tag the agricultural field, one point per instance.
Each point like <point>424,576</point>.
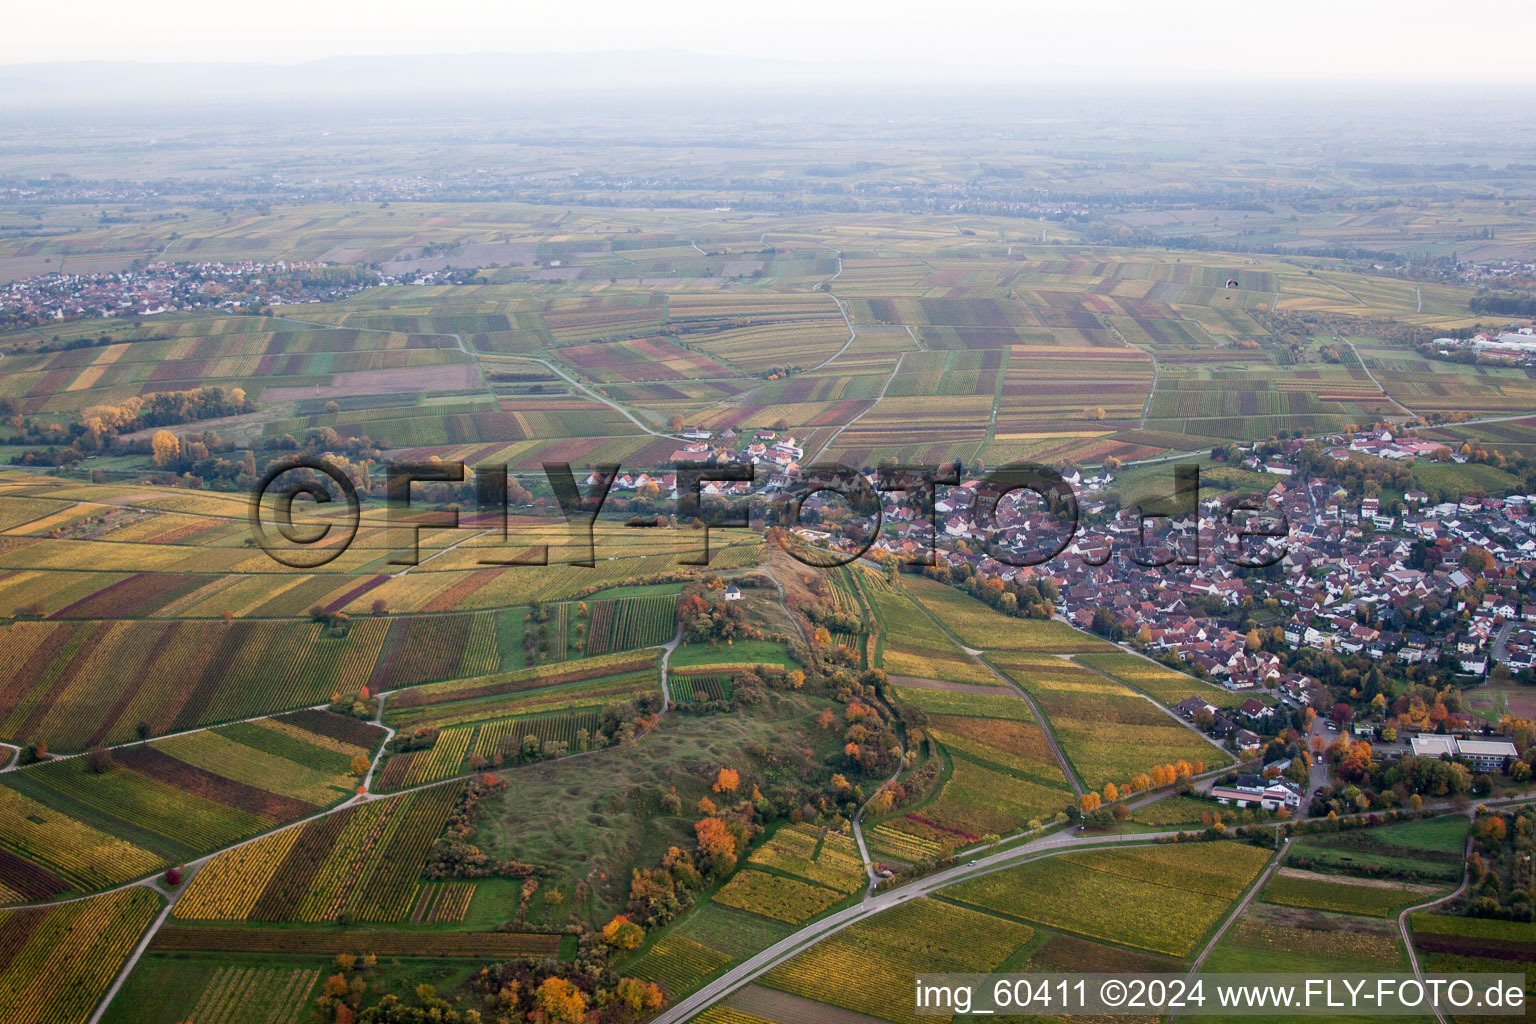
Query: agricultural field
<point>1423,851</point>
<point>678,963</point>
<point>492,726</point>
<point>364,862</point>
<point>980,627</point>
<point>1165,685</point>
<point>56,962</point>
<point>1091,717</point>
<point>1291,887</point>
<point>687,687</point>
<point>1458,945</point>
<point>777,896</point>
<point>65,826</point>
<point>1276,938</point>
<point>1371,872</point>
<point>1181,891</point>
<point>138,615</point>
<point>868,967</point>
<point>819,856</point>
<point>77,684</point>
<point>1001,773</point>
<point>912,644</point>
<point>164,991</point>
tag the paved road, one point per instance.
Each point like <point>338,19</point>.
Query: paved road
<point>756,966</point>
<point>1040,719</point>
<point>1372,376</point>
<point>1402,920</point>
<point>1234,914</point>
<point>885,387</point>
<point>1317,774</point>
<point>1501,642</point>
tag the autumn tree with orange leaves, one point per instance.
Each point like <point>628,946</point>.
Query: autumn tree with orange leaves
<point>717,844</point>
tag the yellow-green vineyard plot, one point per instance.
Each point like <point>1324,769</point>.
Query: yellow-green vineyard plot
<point>44,852</point>
<point>1088,893</point>
<point>981,627</point>
<point>57,962</point>
<point>1165,685</point>
<point>912,645</point>
<point>208,993</point>
<point>1002,773</point>
<point>678,963</point>
<point>869,966</point>
<point>776,896</point>
<point>364,861</point>
<point>830,859</point>
<point>241,762</point>
<point>1108,732</point>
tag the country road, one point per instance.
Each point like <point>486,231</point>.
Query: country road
<point>885,387</point>
<point>190,867</point>
<point>1402,919</point>
<point>596,396</point>
<point>1234,913</point>
<point>1372,377</point>
<point>975,655</point>
<point>756,966</point>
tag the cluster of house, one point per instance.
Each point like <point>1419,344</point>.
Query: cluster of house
<point>780,455</point>
<point>1355,578</point>
<point>1352,582</point>
<point>1517,347</point>
<point>1233,724</point>
<point>773,458</point>
<point>157,288</point>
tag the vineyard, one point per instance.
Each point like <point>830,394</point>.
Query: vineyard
<point>518,681</point>
<point>979,626</point>
<point>824,858</point>
<point>490,730</point>
<point>44,853</point>
<point>912,645</point>
<point>686,687</point>
<point>622,623</point>
<point>1092,716</point>
<point>56,962</point>
<point>1086,893</point>
<point>207,993</point>
<point>75,684</point>
<point>364,861</point>
<point>442,902</point>
<point>678,964</point>
<point>1164,685</point>
<point>1002,771</point>
<point>170,800</point>
<point>329,942</point>
<point>864,967</point>
<point>776,896</point>
<point>909,840</point>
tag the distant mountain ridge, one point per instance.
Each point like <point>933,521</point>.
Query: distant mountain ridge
<point>488,73</point>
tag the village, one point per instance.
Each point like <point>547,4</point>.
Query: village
<point>1416,589</point>
<point>161,287</point>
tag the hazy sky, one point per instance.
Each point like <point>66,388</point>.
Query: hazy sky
<point>1389,40</point>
